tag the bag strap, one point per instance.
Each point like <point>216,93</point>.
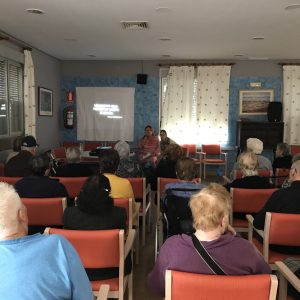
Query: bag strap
<point>206,257</point>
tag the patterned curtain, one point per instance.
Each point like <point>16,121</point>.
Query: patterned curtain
<point>29,95</point>
<point>213,104</point>
<point>176,110</point>
<point>291,104</point>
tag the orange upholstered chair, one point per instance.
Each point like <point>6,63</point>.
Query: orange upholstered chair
<point>59,153</point>
<point>142,192</point>
<point>280,176</point>
<point>161,185</point>
<point>248,201</point>
<point>88,146</point>
<point>102,249</point>
<point>68,144</point>
<point>212,155</point>
<point>295,149</point>
<point>10,180</point>
<point>286,276</point>
<point>182,285</point>
<point>280,229</point>
<point>72,184</point>
<point>263,173</point>
<point>45,211</point>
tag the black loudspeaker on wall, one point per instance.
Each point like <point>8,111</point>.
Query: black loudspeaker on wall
<point>141,78</point>
<point>274,111</point>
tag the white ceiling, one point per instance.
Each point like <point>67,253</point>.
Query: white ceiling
<point>199,29</point>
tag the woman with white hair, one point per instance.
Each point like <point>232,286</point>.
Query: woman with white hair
<point>127,166</point>
<point>233,254</point>
<point>248,164</point>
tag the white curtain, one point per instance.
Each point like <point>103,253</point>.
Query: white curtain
<point>291,104</point>
<point>176,110</point>
<point>29,95</point>
<point>213,104</point>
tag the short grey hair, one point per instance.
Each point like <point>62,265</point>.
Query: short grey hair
<point>73,154</point>
<point>10,204</point>
<point>255,145</point>
<point>296,165</point>
<point>285,148</point>
<point>123,149</point>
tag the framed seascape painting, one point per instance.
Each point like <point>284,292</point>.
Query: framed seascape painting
<point>255,102</point>
<point>45,102</point>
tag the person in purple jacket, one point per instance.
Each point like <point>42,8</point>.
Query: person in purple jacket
<point>235,255</point>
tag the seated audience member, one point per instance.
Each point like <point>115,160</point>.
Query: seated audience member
<point>166,167</point>
<point>234,255</point>
<point>16,148</point>
<point>39,185</point>
<point>73,168</point>
<point>95,210</point>
<point>18,166</point>
<point>164,140</point>
<point>36,266</point>
<point>283,201</point>
<point>256,146</point>
<point>185,171</point>
<point>287,182</point>
<point>120,187</point>
<point>248,163</point>
<point>283,157</point>
<point>128,167</point>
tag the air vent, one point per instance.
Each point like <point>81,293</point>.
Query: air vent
<point>135,25</point>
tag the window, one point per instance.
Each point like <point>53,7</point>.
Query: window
<point>11,98</point>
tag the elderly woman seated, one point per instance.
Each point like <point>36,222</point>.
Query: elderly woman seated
<point>248,163</point>
<point>128,167</point>
<point>73,168</point>
<point>233,254</point>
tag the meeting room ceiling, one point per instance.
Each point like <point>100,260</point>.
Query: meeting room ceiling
<point>164,29</point>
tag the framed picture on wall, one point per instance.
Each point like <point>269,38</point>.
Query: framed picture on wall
<point>255,102</point>
<point>45,102</point>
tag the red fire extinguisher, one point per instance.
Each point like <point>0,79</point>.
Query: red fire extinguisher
<point>68,117</point>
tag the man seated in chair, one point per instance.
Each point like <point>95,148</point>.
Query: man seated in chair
<point>36,266</point>
<point>233,254</point>
<point>18,166</point>
<point>285,200</point>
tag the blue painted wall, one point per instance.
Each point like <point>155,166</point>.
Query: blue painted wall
<point>146,104</point>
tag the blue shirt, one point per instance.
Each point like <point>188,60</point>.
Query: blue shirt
<point>43,267</point>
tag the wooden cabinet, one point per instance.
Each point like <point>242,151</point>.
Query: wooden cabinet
<point>271,133</point>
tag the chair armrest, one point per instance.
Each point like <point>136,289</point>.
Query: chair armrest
<point>251,228</point>
<point>225,155</point>
<point>129,242</point>
<point>136,212</point>
<point>288,275</point>
<point>46,231</point>
<point>103,292</point>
